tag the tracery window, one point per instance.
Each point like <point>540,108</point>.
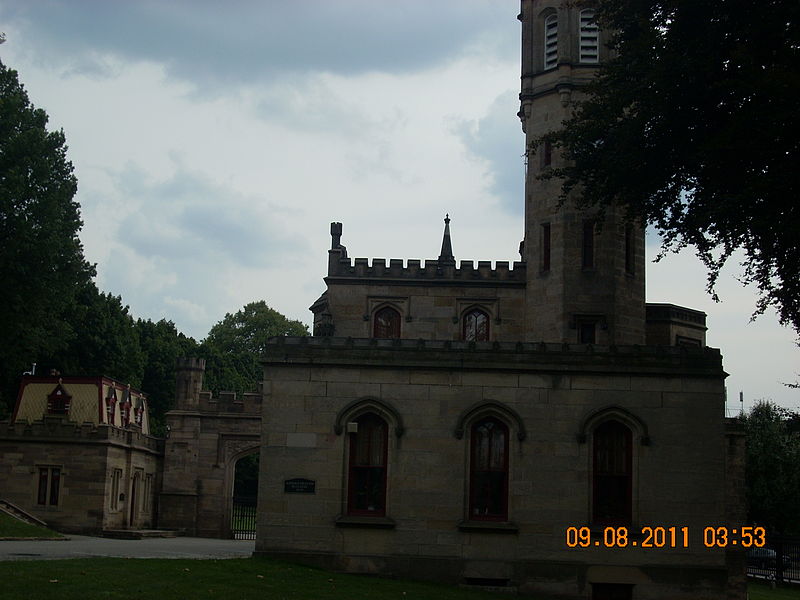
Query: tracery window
<point>476,326</point>
<point>366,493</point>
<point>550,41</point>
<point>488,475</point>
<point>612,473</point>
<point>386,323</point>
<point>589,37</point>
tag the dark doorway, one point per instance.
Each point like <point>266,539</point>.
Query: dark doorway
<point>245,494</point>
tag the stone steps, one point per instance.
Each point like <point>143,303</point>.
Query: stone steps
<point>16,511</point>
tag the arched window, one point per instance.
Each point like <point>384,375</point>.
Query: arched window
<point>476,326</point>
<point>612,473</point>
<point>588,37</point>
<point>366,488</point>
<point>550,41</point>
<point>488,473</point>
<point>386,323</point>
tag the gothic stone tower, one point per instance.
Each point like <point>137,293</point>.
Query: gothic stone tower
<point>585,278</point>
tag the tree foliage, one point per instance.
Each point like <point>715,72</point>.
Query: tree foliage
<point>41,258</point>
<point>773,467</point>
<point>693,127</point>
<point>234,346</point>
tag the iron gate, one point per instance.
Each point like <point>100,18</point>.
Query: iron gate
<point>243,518</point>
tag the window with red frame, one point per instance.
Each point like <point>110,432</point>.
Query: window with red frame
<point>366,494</point>
<point>386,323</point>
<point>612,477</point>
<point>476,326</point>
<point>488,477</point>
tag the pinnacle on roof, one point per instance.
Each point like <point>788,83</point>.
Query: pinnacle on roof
<point>446,256</point>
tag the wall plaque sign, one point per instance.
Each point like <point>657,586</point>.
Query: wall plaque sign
<point>299,486</point>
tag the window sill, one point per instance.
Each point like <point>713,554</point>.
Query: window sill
<point>365,522</point>
<point>488,526</point>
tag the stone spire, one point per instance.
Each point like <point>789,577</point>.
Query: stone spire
<point>446,256</point>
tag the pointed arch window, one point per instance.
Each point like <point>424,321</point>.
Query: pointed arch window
<point>366,487</point>
<point>551,41</point>
<point>612,479</point>
<point>589,37</point>
<point>488,476</point>
<point>386,323</point>
<point>476,326</point>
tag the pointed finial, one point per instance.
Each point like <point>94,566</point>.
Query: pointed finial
<point>446,256</point>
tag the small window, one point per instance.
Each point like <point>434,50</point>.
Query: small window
<point>386,323</point>
<point>629,250</point>
<point>545,246</point>
<point>367,470</point>
<point>58,401</point>
<point>116,478</point>
<point>587,250</point>
<point>547,154</point>
<point>49,486</point>
<point>550,41</point>
<point>589,37</point>
<point>476,326</point>
<point>488,477</point>
<point>612,478</point>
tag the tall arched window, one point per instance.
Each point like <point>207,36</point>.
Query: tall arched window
<point>366,482</point>
<point>612,473</point>
<point>589,38</point>
<point>550,41</point>
<point>476,326</point>
<point>386,323</point>
<point>488,474</point>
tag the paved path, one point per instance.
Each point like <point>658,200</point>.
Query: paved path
<point>79,546</point>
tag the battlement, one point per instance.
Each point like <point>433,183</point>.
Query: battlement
<point>230,402</point>
<point>190,363</point>
<point>57,429</point>
<point>428,271</point>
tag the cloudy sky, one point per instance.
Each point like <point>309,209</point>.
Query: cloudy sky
<point>214,143</point>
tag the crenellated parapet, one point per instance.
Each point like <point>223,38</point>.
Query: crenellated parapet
<point>53,429</point>
<point>427,272</point>
<point>230,402</point>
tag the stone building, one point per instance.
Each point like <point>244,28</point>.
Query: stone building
<point>476,422</point>
<point>77,454</point>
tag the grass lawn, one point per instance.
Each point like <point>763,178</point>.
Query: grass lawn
<point>242,579</point>
<point>762,591</point>
<point>11,527</point>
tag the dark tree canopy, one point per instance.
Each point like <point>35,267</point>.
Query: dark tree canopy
<point>773,467</point>
<point>41,258</point>
<point>693,127</point>
<point>234,346</point>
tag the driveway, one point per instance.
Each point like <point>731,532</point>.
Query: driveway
<point>79,546</point>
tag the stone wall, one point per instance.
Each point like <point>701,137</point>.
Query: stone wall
<point>549,395</point>
<point>87,456</point>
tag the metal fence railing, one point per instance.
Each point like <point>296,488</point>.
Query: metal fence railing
<point>243,518</point>
<point>779,560</point>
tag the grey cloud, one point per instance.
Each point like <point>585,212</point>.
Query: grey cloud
<point>211,43</point>
<point>498,139</point>
<point>188,217</point>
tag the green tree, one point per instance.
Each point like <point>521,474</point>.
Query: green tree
<point>693,127</point>
<point>234,346</point>
<point>162,344</point>
<point>773,468</point>
<point>41,258</point>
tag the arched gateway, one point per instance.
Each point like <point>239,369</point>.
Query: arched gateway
<point>206,438</point>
